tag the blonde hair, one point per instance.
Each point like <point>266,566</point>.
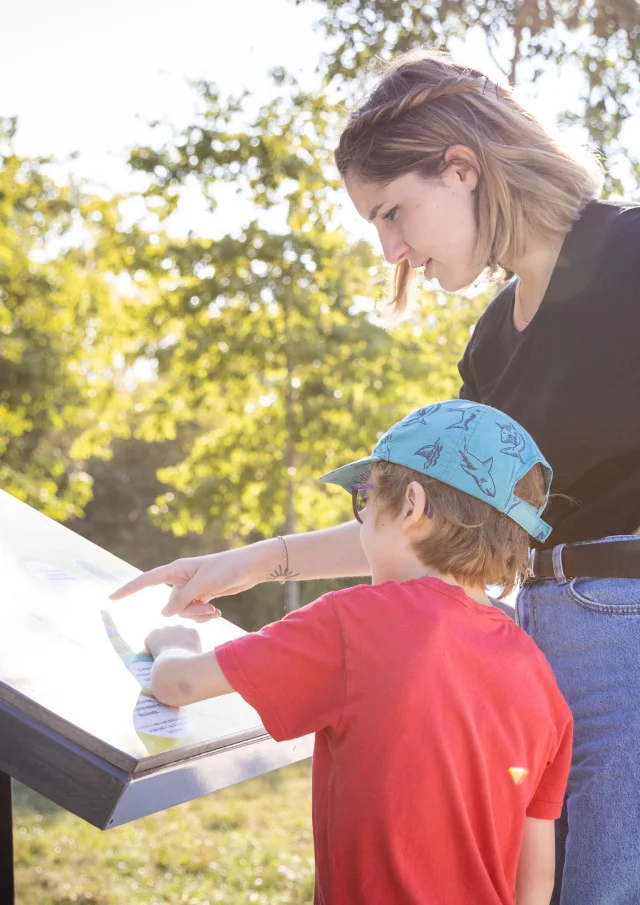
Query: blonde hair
<point>470,540</point>
<point>528,182</point>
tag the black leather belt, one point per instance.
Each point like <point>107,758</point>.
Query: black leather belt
<point>614,559</point>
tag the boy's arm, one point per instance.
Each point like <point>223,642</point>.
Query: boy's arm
<point>292,672</point>
<point>181,674</point>
<point>537,863</point>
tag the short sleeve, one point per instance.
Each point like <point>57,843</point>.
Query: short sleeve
<point>468,390</point>
<point>292,671</point>
<point>546,803</point>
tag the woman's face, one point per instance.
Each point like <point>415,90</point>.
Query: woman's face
<point>429,223</point>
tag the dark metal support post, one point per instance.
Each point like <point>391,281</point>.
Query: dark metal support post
<point>7,886</point>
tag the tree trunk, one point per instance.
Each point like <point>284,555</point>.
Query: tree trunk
<point>291,588</point>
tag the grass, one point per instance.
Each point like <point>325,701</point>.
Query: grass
<point>251,843</point>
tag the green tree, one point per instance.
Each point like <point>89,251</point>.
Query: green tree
<point>269,340</point>
<point>599,38</point>
<point>62,332</point>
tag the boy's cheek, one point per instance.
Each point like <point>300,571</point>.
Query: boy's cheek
<point>368,540</point>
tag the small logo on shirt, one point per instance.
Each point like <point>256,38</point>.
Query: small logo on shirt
<point>518,774</point>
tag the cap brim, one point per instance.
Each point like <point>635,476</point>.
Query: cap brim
<point>348,475</point>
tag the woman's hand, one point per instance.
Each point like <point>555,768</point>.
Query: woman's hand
<point>329,553</point>
<point>199,579</point>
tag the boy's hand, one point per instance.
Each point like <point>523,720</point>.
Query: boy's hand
<point>173,636</point>
<point>181,674</point>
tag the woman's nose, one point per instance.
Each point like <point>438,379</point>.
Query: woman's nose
<point>394,249</point>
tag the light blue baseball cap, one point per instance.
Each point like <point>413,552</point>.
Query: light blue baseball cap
<point>472,447</point>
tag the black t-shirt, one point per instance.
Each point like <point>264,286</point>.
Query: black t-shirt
<point>572,377</point>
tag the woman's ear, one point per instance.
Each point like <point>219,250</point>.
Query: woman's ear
<point>415,505</point>
<point>462,165</point>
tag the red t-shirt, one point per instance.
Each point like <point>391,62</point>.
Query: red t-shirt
<point>427,707</point>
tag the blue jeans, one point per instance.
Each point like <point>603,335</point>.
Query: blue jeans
<point>589,630</point>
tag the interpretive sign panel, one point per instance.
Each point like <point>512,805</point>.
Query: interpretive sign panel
<point>77,720</point>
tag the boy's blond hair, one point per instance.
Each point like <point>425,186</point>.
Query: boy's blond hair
<point>470,540</point>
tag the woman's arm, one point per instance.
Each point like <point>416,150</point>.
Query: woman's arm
<point>330,553</point>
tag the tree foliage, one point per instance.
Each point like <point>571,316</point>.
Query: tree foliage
<point>269,338</point>
<point>228,374</point>
<point>61,323</point>
<point>525,38</point>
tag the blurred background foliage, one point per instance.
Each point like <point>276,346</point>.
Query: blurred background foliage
<point>173,396</point>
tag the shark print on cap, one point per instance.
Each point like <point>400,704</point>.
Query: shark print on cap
<point>468,415</point>
<point>510,435</point>
<point>479,471</point>
<point>384,447</point>
<point>423,413</point>
<point>431,453</point>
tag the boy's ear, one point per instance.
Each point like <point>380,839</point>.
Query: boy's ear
<point>415,504</point>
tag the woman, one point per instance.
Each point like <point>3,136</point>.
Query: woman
<point>460,180</point>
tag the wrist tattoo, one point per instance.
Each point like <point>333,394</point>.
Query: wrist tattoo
<point>283,573</point>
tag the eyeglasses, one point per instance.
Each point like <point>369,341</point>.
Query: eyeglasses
<point>359,498</point>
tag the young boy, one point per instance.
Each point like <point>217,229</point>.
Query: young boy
<point>442,741</point>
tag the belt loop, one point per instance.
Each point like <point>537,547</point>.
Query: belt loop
<point>556,559</point>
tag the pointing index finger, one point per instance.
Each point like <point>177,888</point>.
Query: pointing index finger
<point>160,575</point>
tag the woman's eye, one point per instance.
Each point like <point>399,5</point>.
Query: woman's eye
<point>391,215</point>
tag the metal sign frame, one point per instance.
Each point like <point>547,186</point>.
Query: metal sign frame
<point>68,657</point>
